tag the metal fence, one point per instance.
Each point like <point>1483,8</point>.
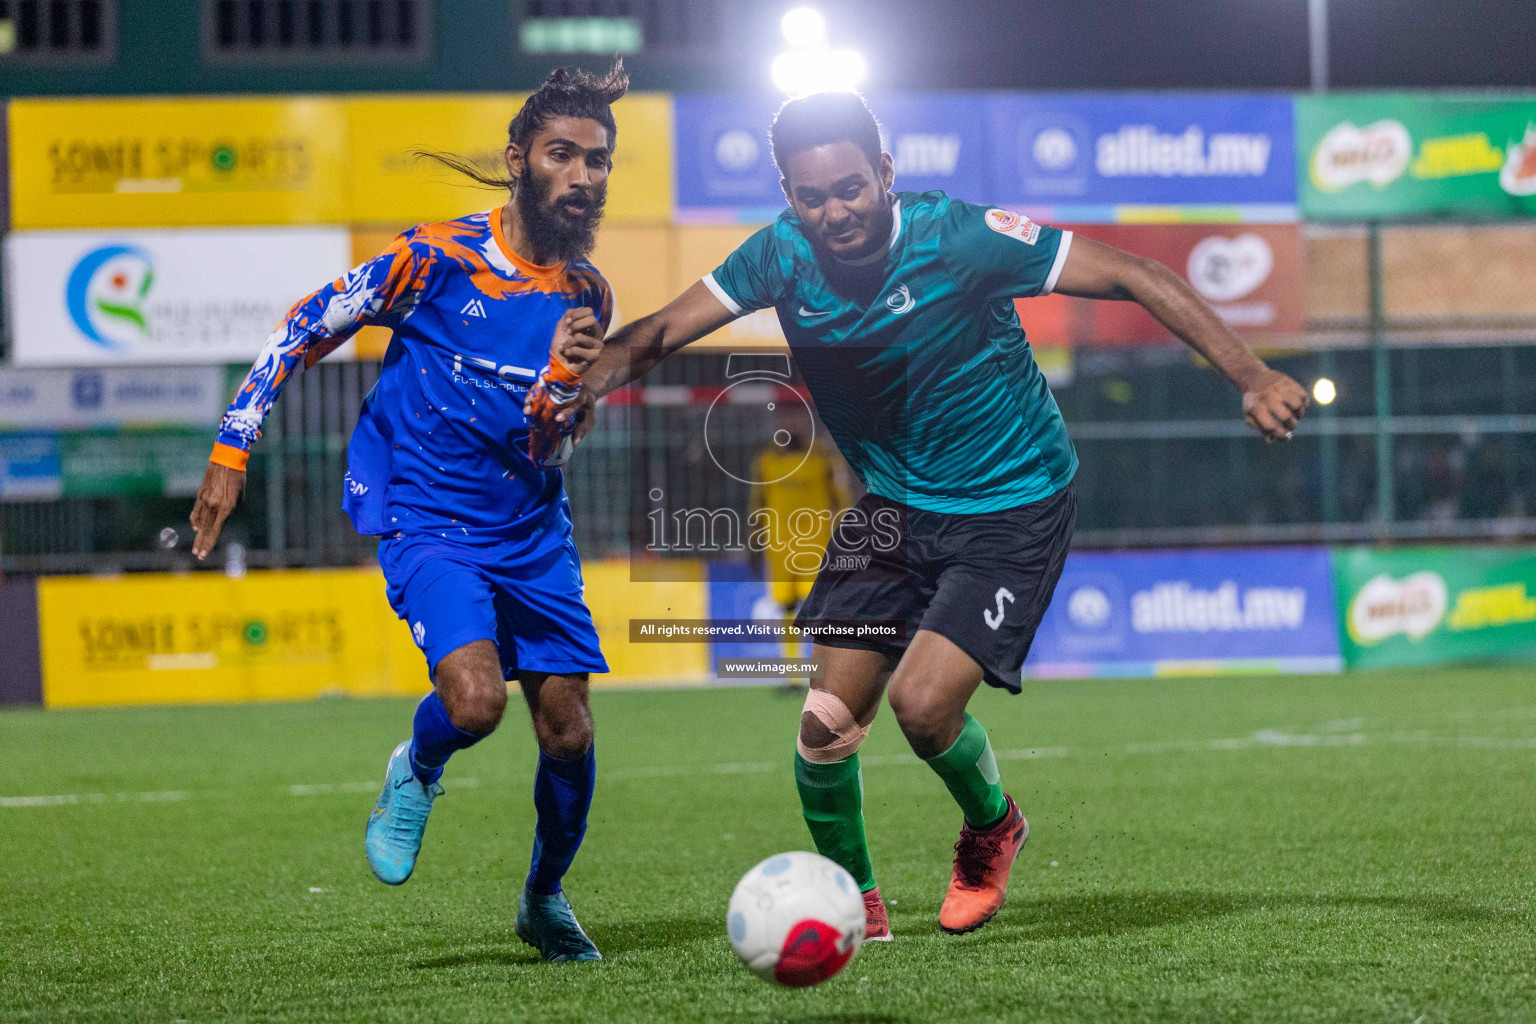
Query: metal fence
<point>1433,435</point>
<point>1165,460</point>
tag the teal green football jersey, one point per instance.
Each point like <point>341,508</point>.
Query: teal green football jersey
<point>916,359</point>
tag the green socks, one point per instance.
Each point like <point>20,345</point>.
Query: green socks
<point>832,799</point>
<point>969,769</point>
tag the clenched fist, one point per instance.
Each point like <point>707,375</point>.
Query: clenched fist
<point>1273,404</point>
<point>578,339</point>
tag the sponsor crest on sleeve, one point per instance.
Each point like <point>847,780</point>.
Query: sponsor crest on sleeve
<point>1006,222</point>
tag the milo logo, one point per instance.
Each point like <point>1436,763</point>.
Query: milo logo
<point>1384,607</point>
<point>1348,155</point>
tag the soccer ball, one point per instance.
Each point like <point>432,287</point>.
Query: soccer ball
<point>796,919</point>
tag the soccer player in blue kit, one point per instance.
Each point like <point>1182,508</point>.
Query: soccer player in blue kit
<point>899,310</point>
<point>475,531</point>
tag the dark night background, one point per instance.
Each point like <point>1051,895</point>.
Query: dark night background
<point>1201,44</point>
<point>719,45</point>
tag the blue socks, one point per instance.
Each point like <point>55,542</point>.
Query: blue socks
<point>562,791</point>
<point>562,794</point>
<point>435,739</point>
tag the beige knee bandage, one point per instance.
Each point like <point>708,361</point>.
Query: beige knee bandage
<point>847,733</point>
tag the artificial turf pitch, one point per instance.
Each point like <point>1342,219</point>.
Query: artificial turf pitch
<point>1356,848</point>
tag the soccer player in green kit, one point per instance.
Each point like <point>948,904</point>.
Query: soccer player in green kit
<point>899,310</point>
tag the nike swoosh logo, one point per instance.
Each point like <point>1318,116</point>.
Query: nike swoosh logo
<point>815,312</point>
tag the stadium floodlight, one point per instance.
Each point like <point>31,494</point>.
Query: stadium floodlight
<point>1324,391</point>
<point>800,72</point>
<point>810,64</point>
<point>804,28</point>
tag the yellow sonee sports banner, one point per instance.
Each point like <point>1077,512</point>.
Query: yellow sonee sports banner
<point>392,185</point>
<point>156,638</point>
<point>112,163</point>
<point>222,161</point>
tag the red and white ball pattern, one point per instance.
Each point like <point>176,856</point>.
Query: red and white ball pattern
<point>796,919</point>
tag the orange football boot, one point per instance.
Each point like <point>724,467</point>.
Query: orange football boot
<point>980,879</point>
<point>877,921</point>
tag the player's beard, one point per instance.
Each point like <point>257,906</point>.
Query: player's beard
<point>555,234</point>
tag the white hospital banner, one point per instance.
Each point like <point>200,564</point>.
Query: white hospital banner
<point>87,298</point>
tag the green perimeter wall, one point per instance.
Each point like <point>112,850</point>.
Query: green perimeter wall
<point>474,49</point>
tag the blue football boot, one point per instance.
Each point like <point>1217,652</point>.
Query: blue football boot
<point>399,819</point>
<point>548,924</point>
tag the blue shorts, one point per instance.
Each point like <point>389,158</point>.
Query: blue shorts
<point>523,595</point>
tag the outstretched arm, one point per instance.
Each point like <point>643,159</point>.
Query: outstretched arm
<point>1272,402</point>
<point>634,349</point>
<point>315,327</point>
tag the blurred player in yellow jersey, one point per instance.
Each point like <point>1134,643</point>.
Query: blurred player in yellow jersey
<point>799,483</point>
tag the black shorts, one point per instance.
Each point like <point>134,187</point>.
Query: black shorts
<point>983,580</point>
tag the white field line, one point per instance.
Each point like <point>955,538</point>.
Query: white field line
<point>168,796</point>
<point>1264,738</point>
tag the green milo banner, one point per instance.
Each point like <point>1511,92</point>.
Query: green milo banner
<point>1383,155</point>
<point>1427,606</point>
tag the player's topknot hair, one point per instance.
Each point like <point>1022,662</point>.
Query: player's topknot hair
<point>824,117</point>
<point>565,93</point>
<point>571,93</point>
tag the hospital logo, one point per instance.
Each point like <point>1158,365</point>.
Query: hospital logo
<point>1227,269</point>
<point>106,292</point>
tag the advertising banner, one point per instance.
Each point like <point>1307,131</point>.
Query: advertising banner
<point>29,467</point>
<point>1085,157</point>
<point>615,597</point>
<point>391,184</point>
<point>725,168</point>
<point>156,639</point>
<point>157,463</point>
<point>1380,155</point>
<point>62,399</point>
<point>1157,613</point>
<point>152,638</point>
<point>1427,606</point>
<point>738,593</point>
<point>1253,275</point>
<point>78,298</point>
<point>1096,156</point>
<point>118,163</point>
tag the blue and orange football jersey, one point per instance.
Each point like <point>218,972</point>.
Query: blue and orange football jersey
<point>441,444</point>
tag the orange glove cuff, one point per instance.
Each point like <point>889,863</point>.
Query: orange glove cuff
<point>229,455</point>
<point>561,373</point>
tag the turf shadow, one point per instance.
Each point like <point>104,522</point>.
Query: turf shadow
<point>657,933</point>
<point>654,933</point>
<point>1112,913</point>
<point>515,955</point>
